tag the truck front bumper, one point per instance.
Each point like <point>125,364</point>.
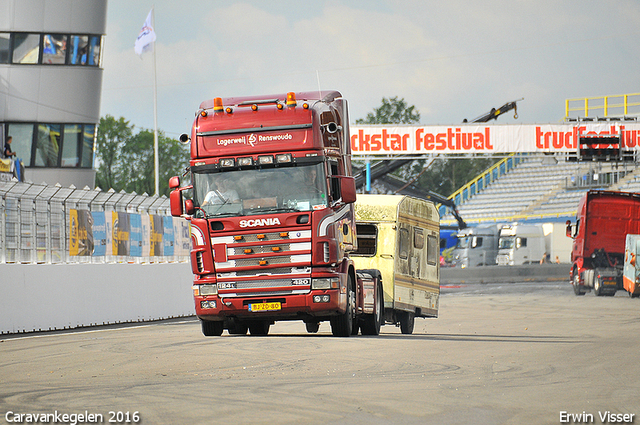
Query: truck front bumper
<point>317,303</point>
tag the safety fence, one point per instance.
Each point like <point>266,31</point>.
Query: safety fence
<point>54,224</point>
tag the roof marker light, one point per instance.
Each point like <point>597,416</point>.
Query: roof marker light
<point>291,99</point>
<point>229,110</point>
<point>254,107</point>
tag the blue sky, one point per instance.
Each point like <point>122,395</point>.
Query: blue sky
<point>452,60</point>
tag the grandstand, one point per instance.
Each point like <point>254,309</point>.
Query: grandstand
<point>544,189</point>
<point>549,188</point>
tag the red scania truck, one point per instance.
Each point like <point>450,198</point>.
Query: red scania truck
<point>272,216</point>
<point>603,221</point>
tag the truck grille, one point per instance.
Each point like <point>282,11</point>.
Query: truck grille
<point>273,254</point>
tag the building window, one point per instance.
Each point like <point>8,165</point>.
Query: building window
<point>50,49</point>
<point>72,144</point>
<point>79,47</point>
<point>26,48</point>
<point>94,50</point>
<point>22,141</point>
<point>47,145</point>
<point>53,145</point>
<point>54,49</point>
<point>87,146</point>
<point>5,47</point>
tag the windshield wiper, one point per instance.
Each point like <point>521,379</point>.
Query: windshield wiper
<point>271,209</point>
<point>225,214</point>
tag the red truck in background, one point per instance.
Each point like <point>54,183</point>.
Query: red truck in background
<point>603,220</point>
<point>272,216</point>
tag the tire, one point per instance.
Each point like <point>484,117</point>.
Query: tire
<point>371,322</point>
<point>343,325</point>
<point>576,283</point>
<point>597,287</point>
<point>237,328</point>
<point>312,327</point>
<point>259,328</point>
<point>407,321</point>
<point>211,328</point>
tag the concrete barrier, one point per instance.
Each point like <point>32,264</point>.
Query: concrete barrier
<point>505,274</point>
<point>40,297</point>
<point>35,297</point>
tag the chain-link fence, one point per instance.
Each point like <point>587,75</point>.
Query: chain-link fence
<point>53,224</point>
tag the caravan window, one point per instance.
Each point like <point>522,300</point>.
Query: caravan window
<point>367,237</point>
<point>404,243</point>
<point>418,238</point>
<point>432,250</point>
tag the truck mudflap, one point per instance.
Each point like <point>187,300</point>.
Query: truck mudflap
<point>367,288</point>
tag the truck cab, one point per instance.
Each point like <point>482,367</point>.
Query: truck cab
<point>476,246</point>
<point>521,244</point>
<point>272,216</point>
<point>603,221</point>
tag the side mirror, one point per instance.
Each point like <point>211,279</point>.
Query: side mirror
<point>189,209</point>
<point>569,230</point>
<point>348,189</point>
<point>175,200</point>
<point>174,182</point>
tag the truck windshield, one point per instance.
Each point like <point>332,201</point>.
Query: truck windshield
<point>260,191</point>
<point>506,242</point>
<point>463,242</point>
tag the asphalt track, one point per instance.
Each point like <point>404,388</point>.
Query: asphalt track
<point>521,353</point>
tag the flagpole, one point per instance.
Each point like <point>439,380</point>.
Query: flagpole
<point>155,113</point>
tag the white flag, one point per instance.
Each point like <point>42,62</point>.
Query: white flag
<point>146,38</point>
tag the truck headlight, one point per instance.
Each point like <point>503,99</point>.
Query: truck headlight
<point>325,283</point>
<point>202,290</point>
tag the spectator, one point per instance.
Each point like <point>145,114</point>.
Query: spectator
<point>7,152</point>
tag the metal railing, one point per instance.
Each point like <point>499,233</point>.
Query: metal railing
<point>614,105</point>
<point>482,180</point>
<point>54,224</point>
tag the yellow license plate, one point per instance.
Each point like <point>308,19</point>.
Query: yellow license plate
<point>265,307</point>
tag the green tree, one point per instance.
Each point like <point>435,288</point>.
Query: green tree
<point>126,160</point>
<point>112,136</point>
<point>138,159</point>
<point>392,111</point>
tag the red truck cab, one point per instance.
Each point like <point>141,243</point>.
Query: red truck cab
<point>272,215</point>
<point>603,220</point>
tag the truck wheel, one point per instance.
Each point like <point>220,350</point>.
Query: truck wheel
<point>407,320</point>
<point>211,328</point>
<point>576,283</point>
<point>312,327</point>
<point>597,287</point>
<point>235,327</point>
<point>342,325</point>
<point>371,322</point>
<point>260,327</point>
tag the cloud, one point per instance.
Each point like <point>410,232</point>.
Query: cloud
<point>452,60</point>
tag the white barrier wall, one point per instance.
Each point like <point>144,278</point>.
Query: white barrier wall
<point>36,297</point>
